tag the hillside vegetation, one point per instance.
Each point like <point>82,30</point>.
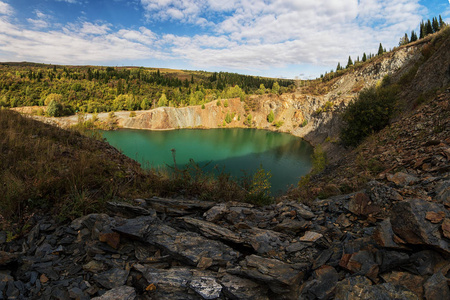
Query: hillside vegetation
<point>70,89</point>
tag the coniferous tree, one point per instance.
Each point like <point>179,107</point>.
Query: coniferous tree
<point>441,22</point>
<point>350,62</point>
<point>428,28</point>
<point>435,25</point>
<point>404,40</point>
<point>380,50</point>
<point>413,36</point>
<point>364,57</point>
<point>422,30</point>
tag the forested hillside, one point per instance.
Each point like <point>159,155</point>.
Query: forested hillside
<point>70,89</point>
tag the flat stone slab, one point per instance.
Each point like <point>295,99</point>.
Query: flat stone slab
<point>213,231</point>
<point>190,247</point>
<point>178,207</point>
<point>281,277</point>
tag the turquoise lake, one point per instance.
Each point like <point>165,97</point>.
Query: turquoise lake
<point>233,150</point>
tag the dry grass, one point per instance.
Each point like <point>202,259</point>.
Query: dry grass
<point>44,168</point>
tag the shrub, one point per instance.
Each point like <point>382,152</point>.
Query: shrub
<point>248,121</point>
<point>368,113</point>
<point>319,160</point>
<point>259,190</point>
<point>54,109</point>
<point>270,117</point>
<point>278,124</point>
<point>228,118</point>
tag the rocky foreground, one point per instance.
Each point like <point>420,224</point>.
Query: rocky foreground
<point>390,240</point>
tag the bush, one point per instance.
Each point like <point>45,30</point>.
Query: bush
<point>319,160</point>
<point>54,109</point>
<point>259,190</point>
<point>278,124</point>
<point>270,117</point>
<point>228,118</point>
<point>368,113</point>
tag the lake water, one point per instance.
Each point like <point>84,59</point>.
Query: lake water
<point>287,157</point>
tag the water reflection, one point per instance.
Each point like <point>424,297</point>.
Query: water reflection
<point>237,150</point>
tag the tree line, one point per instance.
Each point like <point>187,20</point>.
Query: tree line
<point>425,28</point>
<point>71,89</point>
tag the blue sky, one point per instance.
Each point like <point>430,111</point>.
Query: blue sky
<point>276,38</point>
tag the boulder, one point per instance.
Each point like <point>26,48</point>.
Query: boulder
<point>436,287</point>
<point>237,288</point>
<point>408,219</point>
<point>281,277</point>
<point>119,293</point>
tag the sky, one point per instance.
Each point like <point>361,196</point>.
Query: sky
<point>273,38</point>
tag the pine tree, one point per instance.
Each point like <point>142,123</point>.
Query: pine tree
<point>441,22</point>
<point>422,30</point>
<point>435,25</point>
<point>413,36</point>
<point>380,50</point>
<point>338,68</point>
<point>404,40</point>
<point>428,28</point>
<point>349,63</point>
<point>364,58</point>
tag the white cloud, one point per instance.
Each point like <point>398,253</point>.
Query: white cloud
<point>69,1</point>
<point>6,9</point>
<point>239,34</point>
<point>76,44</point>
<point>95,29</point>
<point>42,20</point>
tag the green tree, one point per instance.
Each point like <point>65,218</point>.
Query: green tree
<point>368,113</point>
<point>380,50</point>
<point>162,100</point>
<point>441,22</point>
<point>259,191</point>
<point>349,62</point>
<point>270,117</point>
<point>413,36</point>
<point>338,67</point>
<point>276,87</point>
<point>225,103</point>
<point>364,58</point>
<point>53,97</point>
<point>145,104</point>
<point>404,40</point>
<point>228,118</point>
<point>319,160</point>
<point>54,109</point>
<point>422,30</point>
<point>435,25</point>
<point>428,28</point>
<point>262,89</point>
